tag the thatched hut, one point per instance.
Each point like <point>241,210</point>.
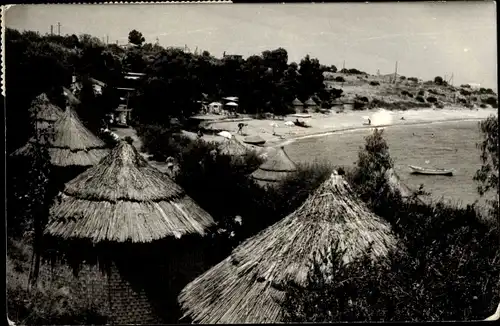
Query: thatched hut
<point>71,144</point>
<point>141,226</point>
<point>275,169</point>
<point>248,286</point>
<point>232,147</point>
<point>310,103</point>
<point>45,112</point>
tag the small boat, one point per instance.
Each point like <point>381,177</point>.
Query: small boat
<point>429,171</point>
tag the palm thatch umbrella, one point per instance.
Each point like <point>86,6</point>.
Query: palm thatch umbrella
<point>275,169</point>
<point>71,144</point>
<point>297,102</point>
<point>248,286</point>
<point>232,147</point>
<point>123,199</point>
<point>396,186</point>
<point>310,102</point>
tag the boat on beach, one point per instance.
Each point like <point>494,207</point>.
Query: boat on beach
<point>430,171</point>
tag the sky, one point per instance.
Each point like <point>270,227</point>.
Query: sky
<point>426,39</point>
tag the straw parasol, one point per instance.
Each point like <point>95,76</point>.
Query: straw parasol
<point>395,183</point>
<point>248,286</point>
<point>232,147</point>
<point>310,102</point>
<point>297,102</point>
<point>275,169</point>
<point>122,199</point>
<point>72,143</point>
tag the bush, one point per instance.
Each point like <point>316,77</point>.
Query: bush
<point>58,298</point>
<point>339,79</point>
<point>483,106</point>
<point>438,80</point>
<point>491,101</point>
<point>413,79</point>
<point>432,99</point>
<point>439,105</point>
<point>374,83</point>
<point>421,93</point>
<point>161,142</point>
<point>420,99</point>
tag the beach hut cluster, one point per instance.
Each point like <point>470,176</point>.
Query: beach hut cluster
<point>148,234</point>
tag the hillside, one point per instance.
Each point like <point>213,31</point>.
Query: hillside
<point>374,91</point>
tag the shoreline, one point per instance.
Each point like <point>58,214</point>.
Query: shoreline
<point>354,129</point>
<point>323,125</point>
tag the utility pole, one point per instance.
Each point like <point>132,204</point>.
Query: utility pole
<point>51,29</point>
<point>59,28</point>
<point>107,39</point>
<point>343,67</point>
<point>396,73</point>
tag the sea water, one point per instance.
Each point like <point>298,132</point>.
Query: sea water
<point>441,145</point>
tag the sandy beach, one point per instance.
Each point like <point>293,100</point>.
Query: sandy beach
<point>324,124</point>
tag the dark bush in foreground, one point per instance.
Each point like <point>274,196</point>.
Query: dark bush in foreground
<point>339,79</point>
<point>58,298</point>
<point>491,101</point>
<point>374,83</point>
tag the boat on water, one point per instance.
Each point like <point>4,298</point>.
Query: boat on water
<point>430,171</point>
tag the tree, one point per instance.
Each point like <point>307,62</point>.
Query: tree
<point>311,78</point>
<point>438,80</point>
<point>135,37</point>
<point>487,175</point>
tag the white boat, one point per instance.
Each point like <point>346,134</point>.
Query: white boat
<point>430,171</point>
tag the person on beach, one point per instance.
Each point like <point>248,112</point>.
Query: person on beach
<point>369,122</point>
<point>200,133</point>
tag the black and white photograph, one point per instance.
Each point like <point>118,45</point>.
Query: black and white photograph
<point>221,163</point>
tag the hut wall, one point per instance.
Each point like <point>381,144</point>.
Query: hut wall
<point>299,109</point>
<point>152,276</point>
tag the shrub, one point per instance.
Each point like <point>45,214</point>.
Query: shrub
<point>431,99</point>
<point>421,93</point>
<point>483,106</point>
<point>465,86</point>
<point>420,98</point>
<point>439,105</point>
<point>58,298</point>
<point>413,79</point>
<point>492,100</point>
<point>161,142</point>
<point>339,79</point>
<point>438,80</point>
<point>374,83</point>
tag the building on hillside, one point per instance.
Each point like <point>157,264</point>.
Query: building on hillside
<point>128,85</point>
<point>232,56</point>
<point>474,86</point>
<point>140,226</point>
<point>248,286</point>
<point>215,108</point>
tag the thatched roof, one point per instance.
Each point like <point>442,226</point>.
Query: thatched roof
<point>297,102</point>
<point>275,169</point>
<point>71,144</point>
<point>45,111</point>
<point>123,198</point>
<point>232,147</point>
<point>70,97</point>
<point>247,287</point>
<point>396,184</point>
<point>310,102</point>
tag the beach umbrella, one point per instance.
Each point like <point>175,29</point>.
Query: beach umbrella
<point>274,125</point>
<point>233,147</point>
<point>248,286</point>
<point>225,134</point>
<point>231,104</point>
<point>289,124</point>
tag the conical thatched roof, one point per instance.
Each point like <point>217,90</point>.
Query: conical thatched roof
<point>71,144</point>
<point>123,198</point>
<point>275,169</point>
<point>310,102</point>
<point>45,111</point>
<point>396,184</point>
<point>233,147</point>
<point>247,287</point>
<point>297,102</point>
